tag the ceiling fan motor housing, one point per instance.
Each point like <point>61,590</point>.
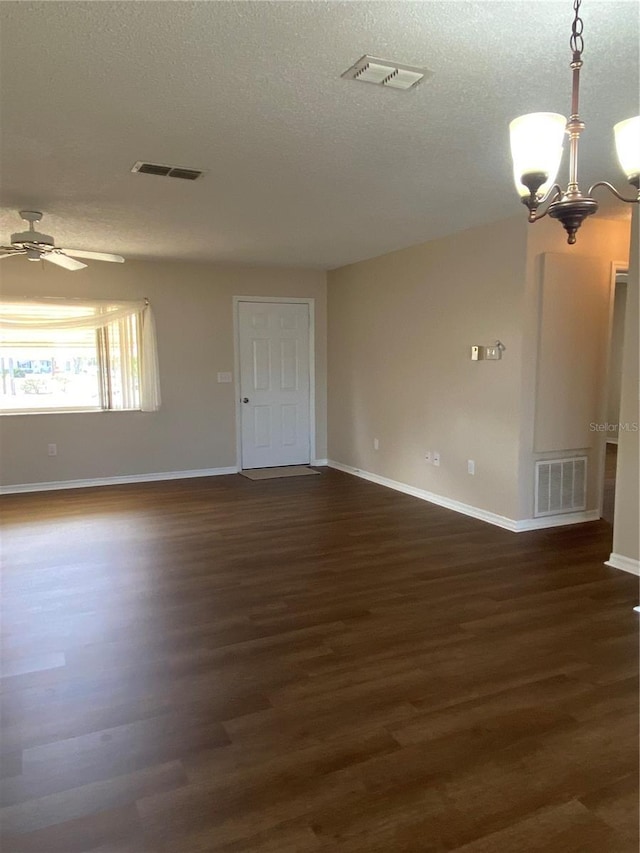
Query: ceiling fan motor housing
<point>22,239</point>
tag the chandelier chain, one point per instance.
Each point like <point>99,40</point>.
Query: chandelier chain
<point>576,41</point>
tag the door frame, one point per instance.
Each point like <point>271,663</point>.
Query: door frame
<point>305,300</point>
<point>601,448</point>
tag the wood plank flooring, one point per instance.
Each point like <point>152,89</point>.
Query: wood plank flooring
<point>310,664</point>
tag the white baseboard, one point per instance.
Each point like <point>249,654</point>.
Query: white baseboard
<point>625,564</point>
<point>115,481</point>
<point>467,509</point>
<point>556,520</point>
<point>319,463</point>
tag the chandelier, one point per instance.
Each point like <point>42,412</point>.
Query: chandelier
<point>536,148</point>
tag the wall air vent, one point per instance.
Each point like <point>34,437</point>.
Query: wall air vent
<point>166,171</point>
<point>561,486</point>
<point>383,72</point>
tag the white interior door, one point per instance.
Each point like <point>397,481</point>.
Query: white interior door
<point>274,383</point>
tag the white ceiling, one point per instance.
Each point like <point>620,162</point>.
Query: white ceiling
<point>303,168</point>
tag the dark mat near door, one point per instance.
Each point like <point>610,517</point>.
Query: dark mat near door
<point>275,473</point>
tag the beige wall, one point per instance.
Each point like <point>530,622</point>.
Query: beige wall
<point>399,337</point>
<point>400,329</point>
<point>627,511</point>
<point>195,427</point>
<point>601,243</point>
<point>615,356</point>
<point>572,351</point>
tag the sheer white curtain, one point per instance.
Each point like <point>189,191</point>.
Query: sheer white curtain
<point>58,314</point>
<point>149,370</point>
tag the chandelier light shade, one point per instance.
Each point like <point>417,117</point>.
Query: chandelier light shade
<point>627,135</point>
<point>536,149</point>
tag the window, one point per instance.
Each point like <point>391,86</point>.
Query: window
<point>68,355</point>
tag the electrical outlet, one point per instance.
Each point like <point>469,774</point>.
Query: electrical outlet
<point>471,466</point>
<point>376,444</point>
<point>436,458</point>
<point>428,457</point>
<point>52,450</point>
<point>492,353</point>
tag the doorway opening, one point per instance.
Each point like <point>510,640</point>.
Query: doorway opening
<point>612,412</point>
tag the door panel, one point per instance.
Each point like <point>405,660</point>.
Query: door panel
<point>275,382</point>
<point>262,426</point>
<point>261,365</point>
<point>289,365</point>
<point>289,425</point>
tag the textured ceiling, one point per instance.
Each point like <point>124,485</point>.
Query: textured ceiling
<point>303,168</point>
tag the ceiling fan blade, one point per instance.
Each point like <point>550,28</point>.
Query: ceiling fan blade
<point>63,261</point>
<point>94,256</point>
<point>7,251</point>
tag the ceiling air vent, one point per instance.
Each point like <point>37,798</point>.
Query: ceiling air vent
<point>383,72</point>
<point>166,171</point>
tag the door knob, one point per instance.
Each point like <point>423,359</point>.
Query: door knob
<point>245,399</point>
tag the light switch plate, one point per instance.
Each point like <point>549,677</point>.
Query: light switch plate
<point>224,377</point>
<point>492,353</point>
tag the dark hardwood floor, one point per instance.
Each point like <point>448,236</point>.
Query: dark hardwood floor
<point>310,664</point>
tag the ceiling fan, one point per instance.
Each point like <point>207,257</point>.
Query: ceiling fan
<point>41,247</point>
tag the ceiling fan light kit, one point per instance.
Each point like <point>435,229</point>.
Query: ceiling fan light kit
<point>41,247</point>
<point>536,148</point>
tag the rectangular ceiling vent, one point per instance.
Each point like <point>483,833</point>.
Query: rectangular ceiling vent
<point>383,72</point>
<point>166,171</point>
<point>561,486</point>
